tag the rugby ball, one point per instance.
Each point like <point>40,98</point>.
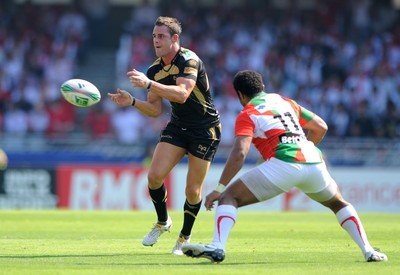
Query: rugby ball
<point>80,92</point>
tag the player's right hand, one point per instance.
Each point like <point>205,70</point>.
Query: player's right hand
<point>210,199</point>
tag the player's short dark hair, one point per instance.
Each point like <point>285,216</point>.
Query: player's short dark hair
<point>173,24</point>
<point>248,82</point>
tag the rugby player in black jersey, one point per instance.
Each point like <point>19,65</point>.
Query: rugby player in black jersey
<point>179,76</point>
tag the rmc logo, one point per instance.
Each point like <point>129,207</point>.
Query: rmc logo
<point>114,188</point>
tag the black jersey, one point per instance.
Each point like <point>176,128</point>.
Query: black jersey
<point>199,110</point>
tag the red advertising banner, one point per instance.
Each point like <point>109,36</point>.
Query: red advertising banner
<point>124,187</point>
<point>112,187</point>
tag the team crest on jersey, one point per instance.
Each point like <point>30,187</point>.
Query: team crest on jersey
<point>187,54</point>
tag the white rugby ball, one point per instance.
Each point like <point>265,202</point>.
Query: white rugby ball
<point>80,92</point>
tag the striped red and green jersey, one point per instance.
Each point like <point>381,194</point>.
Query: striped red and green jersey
<point>275,123</point>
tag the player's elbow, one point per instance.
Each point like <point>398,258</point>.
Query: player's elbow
<point>321,133</point>
<point>323,127</point>
<point>182,97</point>
<point>154,114</point>
<point>181,100</point>
<point>239,156</point>
<point>318,125</point>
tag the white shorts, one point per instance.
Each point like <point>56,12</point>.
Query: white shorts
<point>275,176</point>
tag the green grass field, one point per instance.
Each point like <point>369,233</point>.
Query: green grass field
<point>75,242</point>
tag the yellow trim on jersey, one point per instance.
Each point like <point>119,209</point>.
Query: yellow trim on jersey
<point>163,73</point>
<point>200,97</point>
<point>191,71</point>
<point>156,62</point>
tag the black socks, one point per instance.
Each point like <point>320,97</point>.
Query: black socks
<point>159,198</point>
<point>189,217</point>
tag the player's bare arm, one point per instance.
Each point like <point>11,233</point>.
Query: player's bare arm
<point>317,129</point>
<point>236,158</point>
<point>175,93</point>
<point>152,107</point>
<point>233,165</point>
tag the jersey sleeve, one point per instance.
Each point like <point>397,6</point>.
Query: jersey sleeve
<point>190,69</point>
<point>302,113</point>
<point>244,126</point>
<point>305,115</point>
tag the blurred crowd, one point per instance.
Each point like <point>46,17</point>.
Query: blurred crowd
<point>340,59</point>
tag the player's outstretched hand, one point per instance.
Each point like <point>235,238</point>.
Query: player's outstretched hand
<point>210,199</point>
<point>122,98</point>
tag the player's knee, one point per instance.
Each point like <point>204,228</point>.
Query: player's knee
<point>193,194</point>
<point>228,198</point>
<point>154,180</point>
<point>335,204</point>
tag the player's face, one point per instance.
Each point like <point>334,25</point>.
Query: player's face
<point>162,41</point>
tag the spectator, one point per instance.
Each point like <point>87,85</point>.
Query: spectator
<point>16,121</point>
<point>38,119</point>
<point>391,121</point>
<point>98,122</point>
<point>340,121</point>
<point>61,118</point>
<point>301,51</point>
<point>142,16</point>
<point>126,123</point>
<point>363,124</point>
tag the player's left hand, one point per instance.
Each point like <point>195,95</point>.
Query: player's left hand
<point>210,199</point>
<point>138,79</point>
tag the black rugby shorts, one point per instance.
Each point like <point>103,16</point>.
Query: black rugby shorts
<point>200,142</point>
